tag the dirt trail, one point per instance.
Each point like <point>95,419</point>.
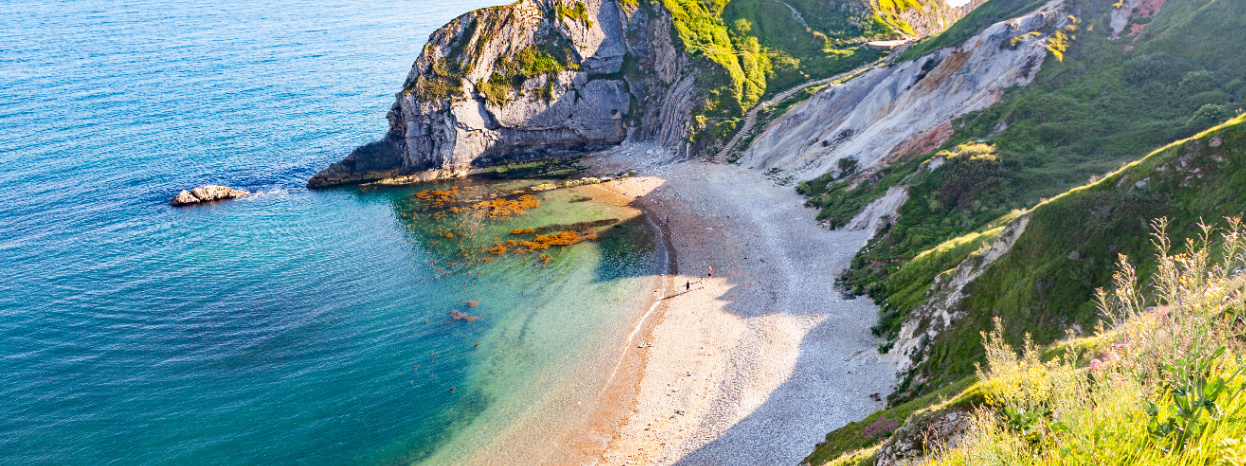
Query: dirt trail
<point>750,118</point>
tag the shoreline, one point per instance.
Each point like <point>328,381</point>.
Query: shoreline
<point>719,381</point>
<point>619,391</point>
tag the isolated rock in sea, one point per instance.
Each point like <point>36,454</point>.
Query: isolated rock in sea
<point>208,193</point>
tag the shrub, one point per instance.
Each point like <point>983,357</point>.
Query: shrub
<point>1163,68</point>
<point>1210,114</point>
<point>1168,387</point>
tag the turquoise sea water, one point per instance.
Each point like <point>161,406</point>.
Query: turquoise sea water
<point>285,327</point>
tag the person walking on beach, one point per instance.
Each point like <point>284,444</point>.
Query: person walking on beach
<point>711,274</point>
<point>688,285</point>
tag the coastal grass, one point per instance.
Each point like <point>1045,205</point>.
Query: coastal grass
<point>1046,283</point>
<point>1097,109</point>
<point>862,436</point>
<point>1168,385</point>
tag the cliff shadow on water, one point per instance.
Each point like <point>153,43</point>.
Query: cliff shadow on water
<point>528,214</point>
<point>538,278</point>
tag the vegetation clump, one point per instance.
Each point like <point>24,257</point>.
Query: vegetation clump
<point>1167,387</point>
<point>549,56</point>
<point>579,12</point>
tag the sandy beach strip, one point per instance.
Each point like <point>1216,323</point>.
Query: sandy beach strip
<point>755,364</point>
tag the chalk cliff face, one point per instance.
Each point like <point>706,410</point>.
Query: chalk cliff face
<point>890,111</point>
<point>550,78</point>
<point>534,79</point>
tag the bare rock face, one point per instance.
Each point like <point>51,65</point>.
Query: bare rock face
<point>884,113</point>
<point>532,80</point>
<point>541,79</point>
<point>209,193</point>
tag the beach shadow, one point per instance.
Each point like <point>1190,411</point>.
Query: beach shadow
<point>635,247</point>
<point>831,400</point>
<point>776,267</point>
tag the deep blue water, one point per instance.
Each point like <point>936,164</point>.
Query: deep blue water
<point>281,328</point>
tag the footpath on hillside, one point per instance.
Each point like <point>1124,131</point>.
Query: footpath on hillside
<point>750,118</point>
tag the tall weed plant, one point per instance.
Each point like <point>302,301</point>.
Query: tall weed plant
<point>1166,386</point>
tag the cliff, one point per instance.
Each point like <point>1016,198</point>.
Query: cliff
<point>534,79</point>
<point>891,111</point>
<point>542,79</point>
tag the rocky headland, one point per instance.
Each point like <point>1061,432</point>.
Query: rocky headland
<point>544,79</point>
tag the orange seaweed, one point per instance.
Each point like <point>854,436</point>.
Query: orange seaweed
<point>456,315</point>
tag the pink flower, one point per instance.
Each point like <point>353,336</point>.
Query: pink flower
<point>1096,364</point>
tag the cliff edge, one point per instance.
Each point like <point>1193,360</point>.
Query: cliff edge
<point>543,79</point>
<point>532,80</point>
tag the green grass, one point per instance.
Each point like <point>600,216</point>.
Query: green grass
<point>796,55</point>
<point>1046,283</point>
<point>866,433</point>
<point>985,15</point>
<point>1102,106</point>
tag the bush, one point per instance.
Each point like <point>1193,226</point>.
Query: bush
<point>1195,82</point>
<point>1210,114</point>
<point>1162,68</point>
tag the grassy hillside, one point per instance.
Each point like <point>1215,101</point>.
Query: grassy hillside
<point>1101,106</point>
<point>1162,381</point>
<point>989,13</point>
<point>1046,284</point>
<point>746,50</point>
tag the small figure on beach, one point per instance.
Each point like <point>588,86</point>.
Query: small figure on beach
<point>711,274</point>
<point>688,285</point>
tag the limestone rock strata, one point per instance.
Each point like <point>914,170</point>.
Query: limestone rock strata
<point>208,193</point>
<point>889,111</point>
<point>615,65</point>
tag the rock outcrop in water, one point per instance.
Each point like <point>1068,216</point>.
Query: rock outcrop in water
<point>205,194</point>
<point>534,79</point>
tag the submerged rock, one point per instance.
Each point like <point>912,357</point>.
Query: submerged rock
<point>208,193</point>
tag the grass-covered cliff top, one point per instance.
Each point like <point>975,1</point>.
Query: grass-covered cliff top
<point>750,49</point>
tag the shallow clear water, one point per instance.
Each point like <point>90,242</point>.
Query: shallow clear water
<point>281,328</point>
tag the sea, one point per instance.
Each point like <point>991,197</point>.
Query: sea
<point>353,325</point>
